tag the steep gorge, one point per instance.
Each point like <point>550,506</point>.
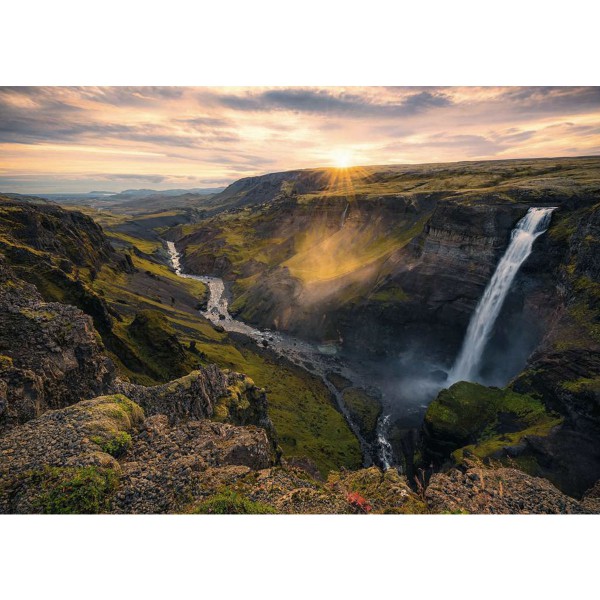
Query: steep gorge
<point>393,284</point>
<point>384,276</point>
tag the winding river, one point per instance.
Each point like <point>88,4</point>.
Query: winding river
<point>315,359</point>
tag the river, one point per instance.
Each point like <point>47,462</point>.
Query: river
<point>316,359</point>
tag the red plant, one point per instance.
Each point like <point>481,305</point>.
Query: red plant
<point>358,503</point>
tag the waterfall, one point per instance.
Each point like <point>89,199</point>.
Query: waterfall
<point>386,453</point>
<point>343,220</point>
<point>528,229</point>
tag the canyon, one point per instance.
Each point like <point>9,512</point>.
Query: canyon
<point>354,290</point>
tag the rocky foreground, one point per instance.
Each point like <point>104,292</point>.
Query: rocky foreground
<point>106,456</point>
<point>202,443</point>
<point>77,439</point>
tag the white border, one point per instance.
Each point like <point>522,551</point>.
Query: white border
<point>298,43</point>
<point>313,42</point>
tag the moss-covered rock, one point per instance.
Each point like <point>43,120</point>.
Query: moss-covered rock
<point>487,422</point>
<point>228,502</point>
<point>155,341</point>
<point>51,355</point>
<point>476,489</point>
<point>65,460</point>
<point>364,410</point>
<point>385,492</point>
<point>73,490</point>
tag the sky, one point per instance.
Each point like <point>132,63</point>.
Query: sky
<point>67,139</point>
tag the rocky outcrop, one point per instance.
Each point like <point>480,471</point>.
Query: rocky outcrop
<point>51,357</point>
<point>208,393</point>
<point>65,460</point>
<point>291,490</point>
<point>168,466</point>
<point>51,353</point>
<point>105,455</point>
<point>101,455</point>
<point>498,491</point>
<point>490,423</point>
<point>47,228</point>
<point>61,252</point>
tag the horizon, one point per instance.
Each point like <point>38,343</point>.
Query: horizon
<point>223,187</point>
<point>75,139</point>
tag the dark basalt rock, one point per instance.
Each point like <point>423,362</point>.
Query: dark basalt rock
<point>54,355</point>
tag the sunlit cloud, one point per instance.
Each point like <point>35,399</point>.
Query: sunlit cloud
<point>72,139</point>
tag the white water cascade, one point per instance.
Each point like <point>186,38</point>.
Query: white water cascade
<point>343,220</point>
<point>528,229</point>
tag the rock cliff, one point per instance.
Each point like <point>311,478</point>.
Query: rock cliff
<point>51,355</point>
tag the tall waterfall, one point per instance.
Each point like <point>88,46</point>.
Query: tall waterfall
<point>528,229</point>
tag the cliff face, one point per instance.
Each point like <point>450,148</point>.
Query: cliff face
<point>60,252</point>
<point>558,287</point>
<point>441,274</point>
<point>564,370</point>
<point>51,353</point>
<point>382,274</point>
<point>102,455</point>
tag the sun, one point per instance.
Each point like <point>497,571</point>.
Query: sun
<point>342,159</point>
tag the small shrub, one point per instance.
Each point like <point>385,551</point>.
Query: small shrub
<point>115,445</point>
<point>74,490</point>
<point>359,504</point>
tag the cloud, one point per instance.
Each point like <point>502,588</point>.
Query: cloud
<point>562,100</point>
<point>137,176</point>
<point>331,103</point>
<point>69,136</point>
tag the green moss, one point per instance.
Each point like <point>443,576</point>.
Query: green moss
<point>116,410</point>
<point>463,410</point>
<point>390,295</point>
<point>469,418</point>
<point>231,503</point>
<point>116,445</point>
<point>110,421</point>
<point>300,406</point>
<point>235,405</point>
<point>582,385</point>
<point>73,490</point>
<point>6,362</point>
<point>364,409</point>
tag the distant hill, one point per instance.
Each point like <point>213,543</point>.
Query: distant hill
<point>26,199</point>
<point>143,193</point>
<point>134,201</point>
<point>126,194</point>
